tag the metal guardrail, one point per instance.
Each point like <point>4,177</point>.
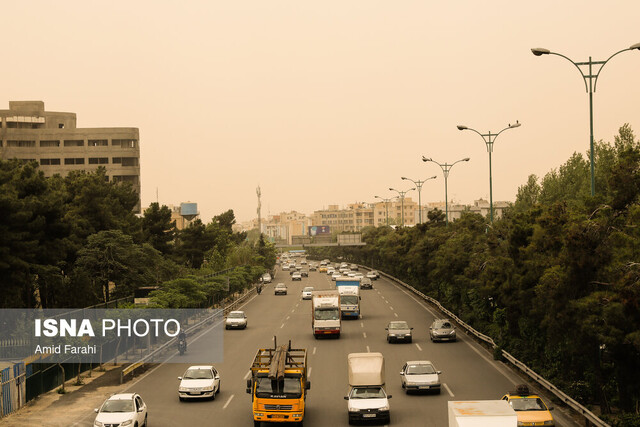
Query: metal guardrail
<point>149,358</point>
<point>589,416</point>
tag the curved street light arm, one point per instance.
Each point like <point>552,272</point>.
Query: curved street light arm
<point>595,83</point>
<point>586,87</point>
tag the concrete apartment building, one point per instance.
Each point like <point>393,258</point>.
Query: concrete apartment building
<point>279,228</point>
<point>52,139</point>
<point>479,206</point>
<point>356,216</point>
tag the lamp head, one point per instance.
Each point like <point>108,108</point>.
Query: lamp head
<point>539,51</point>
<point>425,159</point>
<point>466,159</point>
<point>515,125</point>
<point>635,46</point>
<point>433,177</point>
<point>404,177</point>
<point>392,189</point>
<point>462,127</point>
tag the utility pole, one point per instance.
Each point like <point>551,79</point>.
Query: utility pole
<point>259,193</point>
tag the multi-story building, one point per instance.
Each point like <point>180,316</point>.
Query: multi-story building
<point>354,217</point>
<point>479,206</point>
<point>279,228</point>
<point>52,139</point>
<point>393,209</point>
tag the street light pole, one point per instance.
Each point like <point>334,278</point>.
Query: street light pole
<point>590,82</point>
<point>418,185</point>
<point>386,206</point>
<point>489,139</point>
<point>445,171</point>
<point>402,194</point>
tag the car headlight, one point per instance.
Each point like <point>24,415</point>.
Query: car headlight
<point>258,414</point>
<point>384,408</point>
<point>549,423</point>
<point>97,423</point>
<point>392,335</point>
<point>354,410</point>
<point>126,423</point>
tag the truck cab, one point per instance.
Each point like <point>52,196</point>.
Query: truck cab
<point>325,313</point>
<point>349,301</point>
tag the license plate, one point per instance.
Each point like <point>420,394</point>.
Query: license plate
<point>368,415</point>
<point>277,416</point>
<point>423,387</point>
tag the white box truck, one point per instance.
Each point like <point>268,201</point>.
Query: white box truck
<point>367,398</point>
<point>325,313</point>
<point>482,413</point>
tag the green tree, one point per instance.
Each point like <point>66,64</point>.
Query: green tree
<point>158,229</point>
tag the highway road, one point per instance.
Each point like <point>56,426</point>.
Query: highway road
<point>468,371</point>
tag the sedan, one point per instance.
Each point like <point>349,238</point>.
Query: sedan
<point>306,292</point>
<point>296,276</point>
<point>125,409</point>
<point>442,330</point>
<point>373,275</point>
<point>334,276</point>
<point>280,289</point>
<point>199,382</point>
<point>236,320</point>
<point>366,284</point>
<point>304,273</point>
<point>398,330</point>
<point>420,375</point>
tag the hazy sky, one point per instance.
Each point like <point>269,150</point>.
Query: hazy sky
<point>327,102</point>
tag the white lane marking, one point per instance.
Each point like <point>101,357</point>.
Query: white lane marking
<point>362,324</point>
<point>282,326</point>
<point>448,390</point>
<point>364,334</point>
<point>228,401</point>
<point>368,350</point>
<point>246,377</point>
<point>288,317</point>
<point>391,307</point>
<point>395,314</point>
<point>309,373</point>
<point>314,350</point>
<point>418,345</point>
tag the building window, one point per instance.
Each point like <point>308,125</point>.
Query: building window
<point>98,160</point>
<point>21,144</point>
<point>74,143</point>
<point>26,160</point>
<point>48,162</point>
<point>98,143</point>
<point>74,161</point>
<point>60,125</point>
<point>52,143</point>
<point>132,179</point>
<point>124,143</point>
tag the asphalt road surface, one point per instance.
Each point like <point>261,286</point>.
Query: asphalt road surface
<point>468,371</point>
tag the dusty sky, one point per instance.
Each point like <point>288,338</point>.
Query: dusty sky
<point>327,102</point>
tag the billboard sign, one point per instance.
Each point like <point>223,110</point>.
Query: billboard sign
<point>319,230</point>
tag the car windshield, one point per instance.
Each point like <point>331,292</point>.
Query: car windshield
<point>528,404</point>
<point>236,315</point>
<point>198,374</point>
<point>117,406</point>
<point>444,325</point>
<point>420,369</point>
<point>289,387</point>
<point>326,314</point>
<point>367,393</point>
<point>280,285</point>
<point>349,299</point>
<point>307,290</point>
<point>398,325</point>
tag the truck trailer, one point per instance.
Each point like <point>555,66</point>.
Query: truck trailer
<point>481,413</point>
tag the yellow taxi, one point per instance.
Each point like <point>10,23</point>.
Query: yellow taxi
<point>322,269</point>
<point>530,408</point>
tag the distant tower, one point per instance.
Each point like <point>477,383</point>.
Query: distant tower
<point>259,193</point>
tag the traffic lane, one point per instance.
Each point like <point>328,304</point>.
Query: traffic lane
<point>265,313</point>
<point>463,371</point>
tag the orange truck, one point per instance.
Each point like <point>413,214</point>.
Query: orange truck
<point>279,385</point>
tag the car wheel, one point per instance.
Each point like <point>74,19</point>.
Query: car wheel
<point>256,423</point>
<point>218,390</point>
<point>410,340</point>
<point>226,327</point>
<point>135,424</point>
<point>145,421</point>
<point>213,395</point>
<point>438,391</point>
<point>181,399</point>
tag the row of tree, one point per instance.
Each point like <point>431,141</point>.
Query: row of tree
<point>556,281</point>
<point>75,241</point>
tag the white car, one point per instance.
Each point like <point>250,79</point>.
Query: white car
<point>373,275</point>
<point>199,382</point>
<point>306,292</point>
<point>125,409</point>
<point>296,276</point>
<point>285,267</point>
<point>334,276</point>
<point>351,274</point>
<point>420,375</point>
<point>359,276</point>
<point>236,320</point>
<point>330,271</point>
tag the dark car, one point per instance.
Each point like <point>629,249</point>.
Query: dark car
<point>304,273</point>
<point>398,330</point>
<point>442,330</point>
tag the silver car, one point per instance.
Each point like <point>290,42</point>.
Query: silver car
<point>420,375</point>
<point>442,330</point>
<point>236,320</point>
<point>306,292</point>
<point>399,330</point>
